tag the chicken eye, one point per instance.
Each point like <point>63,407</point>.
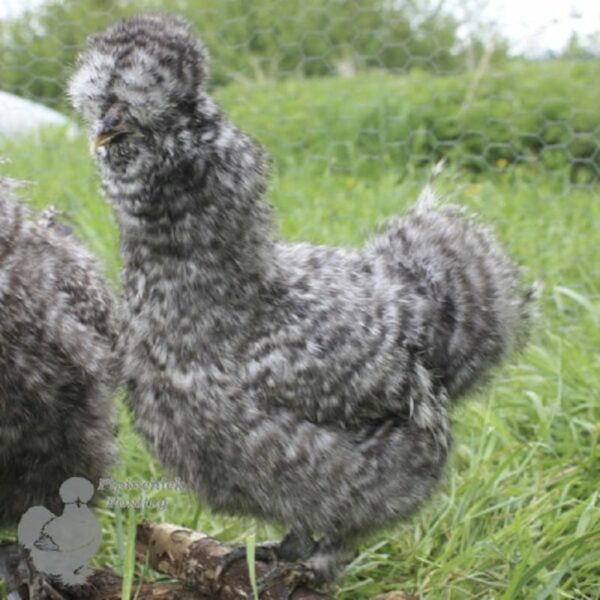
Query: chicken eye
<point>116,119</point>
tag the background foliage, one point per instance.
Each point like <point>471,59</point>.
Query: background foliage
<point>259,39</point>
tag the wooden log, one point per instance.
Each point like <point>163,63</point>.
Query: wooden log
<point>194,559</point>
<point>106,585</point>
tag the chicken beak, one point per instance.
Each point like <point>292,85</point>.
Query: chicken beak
<point>102,139</point>
<point>110,128</point>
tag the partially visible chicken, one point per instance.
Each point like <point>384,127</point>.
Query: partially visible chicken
<point>58,368</point>
<point>303,384</point>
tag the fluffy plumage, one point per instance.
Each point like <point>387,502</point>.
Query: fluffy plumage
<point>57,362</point>
<point>304,384</point>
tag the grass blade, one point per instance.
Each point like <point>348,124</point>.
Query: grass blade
<point>251,560</point>
<point>129,559</point>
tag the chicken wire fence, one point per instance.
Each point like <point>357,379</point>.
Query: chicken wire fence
<point>358,88</point>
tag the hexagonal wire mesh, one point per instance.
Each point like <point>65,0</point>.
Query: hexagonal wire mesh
<point>357,90</point>
<point>394,84</point>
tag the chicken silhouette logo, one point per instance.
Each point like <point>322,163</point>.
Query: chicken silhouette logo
<point>61,546</point>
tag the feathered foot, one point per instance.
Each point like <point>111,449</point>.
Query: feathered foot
<point>315,565</point>
<point>266,552</point>
<point>293,547</point>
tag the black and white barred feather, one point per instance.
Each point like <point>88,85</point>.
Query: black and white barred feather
<point>305,384</point>
<point>57,361</point>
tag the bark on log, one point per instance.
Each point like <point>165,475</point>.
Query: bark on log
<point>106,585</point>
<point>193,558</point>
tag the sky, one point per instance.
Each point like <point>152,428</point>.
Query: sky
<point>534,27</point>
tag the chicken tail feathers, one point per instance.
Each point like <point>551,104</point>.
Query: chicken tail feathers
<point>466,306</point>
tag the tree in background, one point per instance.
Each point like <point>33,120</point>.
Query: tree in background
<point>587,48</point>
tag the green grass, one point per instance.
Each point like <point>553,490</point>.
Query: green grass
<point>519,513</point>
